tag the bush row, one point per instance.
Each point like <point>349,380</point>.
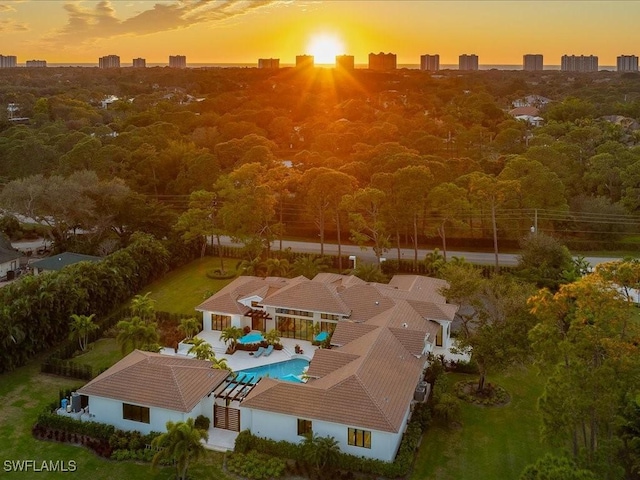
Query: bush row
<point>36,309</point>
<point>246,442</point>
<point>256,466</point>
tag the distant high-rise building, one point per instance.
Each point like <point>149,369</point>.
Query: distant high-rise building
<point>346,62</point>
<point>532,62</point>
<point>581,63</point>
<point>627,63</point>
<point>177,61</point>
<point>430,63</point>
<point>8,61</point>
<point>304,61</point>
<point>468,62</point>
<point>109,61</point>
<point>36,63</point>
<point>139,63</point>
<point>268,63</point>
<point>382,61</point>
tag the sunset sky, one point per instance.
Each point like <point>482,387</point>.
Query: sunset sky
<point>240,31</point>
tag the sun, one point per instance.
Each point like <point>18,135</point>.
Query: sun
<point>324,48</point>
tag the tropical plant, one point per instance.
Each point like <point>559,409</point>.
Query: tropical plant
<point>252,267</point>
<point>370,272</point>
<point>320,452</point>
<point>189,327</point>
<point>201,349</point>
<point>278,267</point>
<point>181,444</point>
<point>272,337</point>
<point>143,306</point>
<point>231,335</point>
<point>80,328</point>
<point>137,334</point>
<point>309,266</point>
<point>219,364</point>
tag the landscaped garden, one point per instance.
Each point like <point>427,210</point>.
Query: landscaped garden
<point>488,442</point>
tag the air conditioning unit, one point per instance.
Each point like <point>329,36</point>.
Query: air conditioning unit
<point>420,394</point>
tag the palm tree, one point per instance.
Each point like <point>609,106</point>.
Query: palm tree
<point>144,307</point>
<point>181,444</point>
<point>370,272</point>
<point>252,267</point>
<point>272,337</point>
<point>309,266</point>
<point>134,333</point>
<point>201,349</point>
<point>189,327</point>
<point>219,364</point>
<point>80,327</point>
<point>231,335</point>
<point>278,267</point>
<point>320,451</point>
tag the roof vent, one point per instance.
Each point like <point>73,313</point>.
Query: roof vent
<point>405,325</point>
<point>377,302</point>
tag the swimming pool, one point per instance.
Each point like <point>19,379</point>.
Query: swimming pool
<point>291,370</point>
<point>254,337</point>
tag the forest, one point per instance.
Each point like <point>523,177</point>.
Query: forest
<point>379,158</point>
<point>148,163</point>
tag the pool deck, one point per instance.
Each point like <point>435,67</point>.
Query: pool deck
<point>242,360</point>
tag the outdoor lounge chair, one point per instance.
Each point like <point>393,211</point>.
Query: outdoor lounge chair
<point>259,352</point>
<point>268,350</point>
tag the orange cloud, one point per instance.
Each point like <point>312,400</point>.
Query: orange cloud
<point>90,24</point>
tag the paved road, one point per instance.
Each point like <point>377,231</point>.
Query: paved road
<point>367,255</point>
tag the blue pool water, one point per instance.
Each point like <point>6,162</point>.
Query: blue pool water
<point>289,370</point>
<point>251,338</point>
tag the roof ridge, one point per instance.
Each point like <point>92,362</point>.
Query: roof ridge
<point>183,402</point>
<point>372,398</point>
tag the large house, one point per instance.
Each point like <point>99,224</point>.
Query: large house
<point>145,390</point>
<point>361,390</point>
<point>9,258</point>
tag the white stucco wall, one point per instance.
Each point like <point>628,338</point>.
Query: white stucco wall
<point>384,445</point>
<point>106,410</point>
<point>6,266</point>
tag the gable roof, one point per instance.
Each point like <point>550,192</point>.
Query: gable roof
<point>155,380</point>
<point>58,262</point>
<point>311,296</point>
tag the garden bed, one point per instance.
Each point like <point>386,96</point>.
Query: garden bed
<point>491,396</point>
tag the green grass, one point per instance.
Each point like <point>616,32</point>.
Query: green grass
<point>23,394</point>
<point>101,354</point>
<point>183,289</point>
<point>493,442</point>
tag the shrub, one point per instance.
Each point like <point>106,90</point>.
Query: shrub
<point>202,422</point>
<point>256,466</point>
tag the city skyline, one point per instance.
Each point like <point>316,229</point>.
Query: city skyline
<point>499,32</point>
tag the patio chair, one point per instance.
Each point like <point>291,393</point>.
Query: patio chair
<point>259,352</point>
<point>268,350</point>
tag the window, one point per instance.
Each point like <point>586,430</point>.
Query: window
<point>298,313</point>
<point>359,438</point>
<point>135,413</point>
<point>290,327</point>
<point>439,336</point>
<point>304,427</point>
<point>220,322</point>
<point>329,316</point>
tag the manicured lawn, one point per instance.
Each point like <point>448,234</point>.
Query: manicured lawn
<point>183,289</point>
<point>493,442</point>
<point>23,394</point>
<point>101,354</point>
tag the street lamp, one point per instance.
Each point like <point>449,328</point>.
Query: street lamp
<point>353,258</point>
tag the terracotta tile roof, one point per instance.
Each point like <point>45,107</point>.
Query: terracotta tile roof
<point>442,311</point>
<point>372,391</point>
<point>227,299</point>
<point>346,332</point>
<point>327,361</point>
<point>365,301</point>
<point>155,380</point>
<point>533,111</point>
<point>310,296</point>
